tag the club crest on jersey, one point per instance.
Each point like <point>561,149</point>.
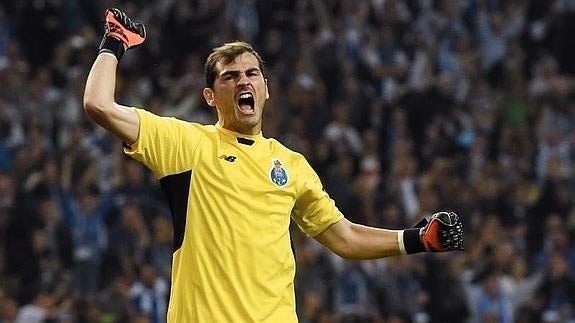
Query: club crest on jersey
<point>278,174</point>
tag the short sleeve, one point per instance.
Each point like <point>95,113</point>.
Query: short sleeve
<point>165,145</point>
<point>314,211</point>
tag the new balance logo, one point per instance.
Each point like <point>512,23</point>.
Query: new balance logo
<point>230,159</point>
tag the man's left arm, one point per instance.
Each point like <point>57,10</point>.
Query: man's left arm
<point>443,232</point>
<point>355,241</point>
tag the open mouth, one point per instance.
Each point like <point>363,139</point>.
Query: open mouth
<point>246,102</point>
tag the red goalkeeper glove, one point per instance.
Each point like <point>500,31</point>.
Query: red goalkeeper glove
<point>443,232</point>
<point>121,33</point>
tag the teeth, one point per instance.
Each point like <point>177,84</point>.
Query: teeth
<point>245,96</point>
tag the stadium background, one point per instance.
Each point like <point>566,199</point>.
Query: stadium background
<point>402,106</point>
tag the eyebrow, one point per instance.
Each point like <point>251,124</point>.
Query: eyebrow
<point>236,72</point>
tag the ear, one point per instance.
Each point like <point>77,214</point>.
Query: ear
<point>267,89</point>
<point>209,96</point>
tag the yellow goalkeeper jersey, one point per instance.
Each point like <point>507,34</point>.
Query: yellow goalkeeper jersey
<point>231,197</point>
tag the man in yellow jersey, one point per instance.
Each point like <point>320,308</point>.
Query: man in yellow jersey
<point>232,192</point>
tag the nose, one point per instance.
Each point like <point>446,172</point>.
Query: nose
<point>243,79</point>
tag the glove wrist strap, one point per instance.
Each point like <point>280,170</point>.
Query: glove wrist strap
<point>112,45</point>
<point>412,241</point>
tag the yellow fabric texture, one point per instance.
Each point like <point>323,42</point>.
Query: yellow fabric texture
<point>235,263</point>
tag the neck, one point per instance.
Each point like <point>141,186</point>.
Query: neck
<point>248,131</point>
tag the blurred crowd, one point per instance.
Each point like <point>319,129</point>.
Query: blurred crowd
<point>403,107</point>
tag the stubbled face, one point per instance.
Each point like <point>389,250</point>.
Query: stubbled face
<point>239,94</point>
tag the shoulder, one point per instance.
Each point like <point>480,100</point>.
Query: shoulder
<point>276,145</point>
<point>290,158</point>
<point>280,149</point>
<point>169,122</point>
<point>209,130</point>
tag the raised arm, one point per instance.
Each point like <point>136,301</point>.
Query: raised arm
<point>121,34</point>
<point>99,101</point>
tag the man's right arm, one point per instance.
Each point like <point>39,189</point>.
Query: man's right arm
<point>99,101</point>
<point>120,35</point>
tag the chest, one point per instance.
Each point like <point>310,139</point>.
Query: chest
<point>254,175</point>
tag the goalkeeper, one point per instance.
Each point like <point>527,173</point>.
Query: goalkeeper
<point>232,192</point>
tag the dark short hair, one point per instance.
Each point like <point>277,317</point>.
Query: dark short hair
<point>226,54</point>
